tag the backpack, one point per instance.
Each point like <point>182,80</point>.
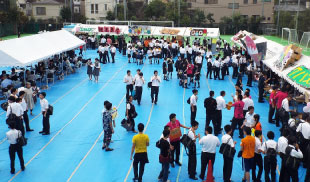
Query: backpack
<point>271,152</point>
<point>50,110</point>
<point>187,142</point>
<point>149,84</point>
<point>290,161</point>
<point>11,117</point>
<point>227,150</point>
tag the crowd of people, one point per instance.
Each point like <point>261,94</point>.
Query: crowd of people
<point>292,146</point>
<point>188,59</point>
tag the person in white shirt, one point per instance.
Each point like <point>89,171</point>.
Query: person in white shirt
<point>269,148</point>
<point>198,61</point>
<point>221,104</point>
<point>96,70</point>
<point>293,150</point>
<point>258,160</point>
<point>182,52</point>
<point>46,115</point>
<point>228,162</point>
<point>216,66</point>
<point>193,105</point>
<point>189,53</point>
<point>286,115</point>
<point>12,135</point>
<point>247,102</point>
<point>25,109</point>
<point>249,118</point>
<point>155,87</point>
<point>129,80</point>
<point>113,51</point>
<point>100,52</point>
<point>129,53</point>
<point>103,40</point>
<point>106,57</point>
<point>282,145</point>
<point>304,129</point>
<point>139,82</point>
<point>208,144</point>
<point>150,54</point>
<point>15,113</point>
<point>192,156</point>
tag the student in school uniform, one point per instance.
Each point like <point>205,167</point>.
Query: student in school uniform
<point>258,160</point>
<point>269,148</point>
<point>282,145</point>
<point>139,82</point>
<point>165,69</point>
<point>129,80</point>
<point>129,53</point>
<point>24,106</point>
<point>134,54</point>
<point>216,66</point>
<point>228,162</point>
<point>131,113</point>
<point>192,155</point>
<point>15,108</point>
<point>164,155</point>
<point>112,52</point>
<point>294,151</point>
<point>97,70</point>
<point>196,76</point>
<point>198,61</point>
<point>12,135</point>
<point>209,67</point>
<point>155,87</point>
<point>150,54</point>
<point>170,67</point>
<point>208,144</point>
<point>304,129</point>
<point>45,114</point>
<point>221,104</point>
<point>193,105</point>
<point>90,69</point>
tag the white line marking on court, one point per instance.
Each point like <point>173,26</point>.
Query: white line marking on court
<point>59,131</point>
<point>92,147</point>
<point>182,151</point>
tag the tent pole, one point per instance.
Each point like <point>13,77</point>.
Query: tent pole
<point>25,75</point>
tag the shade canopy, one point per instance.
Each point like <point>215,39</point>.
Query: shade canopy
<point>32,49</point>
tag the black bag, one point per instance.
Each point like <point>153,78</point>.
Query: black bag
<point>4,106</point>
<point>271,152</point>
<point>125,124</point>
<point>300,137</point>
<point>50,110</point>
<point>188,100</point>
<point>291,162</point>
<point>187,142</point>
<point>227,150</point>
<point>149,84</point>
<point>12,117</point>
<point>239,154</point>
<point>21,140</point>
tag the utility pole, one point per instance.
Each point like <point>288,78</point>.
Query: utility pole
<point>278,19</point>
<point>115,9</point>
<point>71,9</point>
<point>296,26</point>
<point>125,7</point>
<point>263,6</point>
<point>233,8</point>
<point>179,14</point>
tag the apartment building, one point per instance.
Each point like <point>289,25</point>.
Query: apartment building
<point>45,9</point>
<point>248,8</point>
<point>97,9</point>
<point>292,5</point>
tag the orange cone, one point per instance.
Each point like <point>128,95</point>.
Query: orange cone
<point>210,173</point>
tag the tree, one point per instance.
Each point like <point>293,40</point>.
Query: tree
<point>210,19</point>
<point>65,14</point>
<point>110,15</point>
<point>155,10</point>
<point>78,18</point>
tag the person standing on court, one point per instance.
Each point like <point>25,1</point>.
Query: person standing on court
<point>258,160</point>
<point>208,144</point>
<point>15,109</point>
<point>238,116</point>
<point>139,82</point>
<point>112,52</point>
<point>129,80</point>
<point>210,105</point>
<point>155,87</point>
<point>221,104</point>
<point>192,155</point>
<point>140,142</point>
<point>282,144</point>
<point>131,114</point>
<point>269,148</point>
<point>304,130</point>
<point>12,135</point>
<point>97,70</point>
<point>175,134</point>
<point>248,150</point>
<point>29,97</point>
<point>107,126</point>
<point>261,85</point>
<point>164,156</point>
<point>45,114</point>
<point>24,106</point>
<point>294,152</point>
<point>228,162</point>
<point>193,105</point>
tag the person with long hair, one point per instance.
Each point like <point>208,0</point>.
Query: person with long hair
<point>97,70</point>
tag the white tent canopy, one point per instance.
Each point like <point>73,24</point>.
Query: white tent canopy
<point>32,49</point>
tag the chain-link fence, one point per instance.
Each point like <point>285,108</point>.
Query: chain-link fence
<point>29,28</point>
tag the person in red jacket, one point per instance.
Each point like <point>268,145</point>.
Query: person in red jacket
<point>280,96</point>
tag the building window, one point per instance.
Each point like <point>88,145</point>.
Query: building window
<point>255,17</point>
<point>211,1</point>
<point>254,1</point>
<point>41,10</point>
<point>96,8</point>
<point>92,9</point>
<point>233,5</point>
<point>105,7</point>
<point>245,1</point>
<point>268,18</point>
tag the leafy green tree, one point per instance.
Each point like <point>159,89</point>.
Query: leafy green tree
<point>210,19</point>
<point>65,13</point>
<point>155,10</point>
<point>110,15</point>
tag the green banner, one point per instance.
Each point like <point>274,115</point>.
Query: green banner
<point>301,76</point>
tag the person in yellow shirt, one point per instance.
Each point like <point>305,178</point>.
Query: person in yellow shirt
<point>140,142</point>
